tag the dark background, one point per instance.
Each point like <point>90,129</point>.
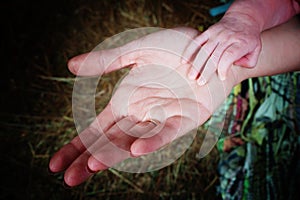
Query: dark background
<point>37,39</point>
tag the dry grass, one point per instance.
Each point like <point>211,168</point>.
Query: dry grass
<point>77,27</point>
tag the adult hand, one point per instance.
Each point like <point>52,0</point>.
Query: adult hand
<point>153,105</point>
<point>233,40</point>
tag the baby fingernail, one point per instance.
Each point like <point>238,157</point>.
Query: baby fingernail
<point>193,74</point>
<point>201,81</point>
<point>183,61</point>
<point>222,77</point>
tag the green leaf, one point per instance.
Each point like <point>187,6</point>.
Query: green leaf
<point>258,134</point>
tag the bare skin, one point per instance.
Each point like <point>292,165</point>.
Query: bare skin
<point>128,131</point>
<point>235,39</point>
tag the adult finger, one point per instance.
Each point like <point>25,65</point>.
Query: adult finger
<point>179,123</point>
<point>113,147</point>
<point>67,154</point>
<point>173,128</point>
<point>117,148</point>
<point>143,129</point>
<point>78,171</point>
<point>105,61</point>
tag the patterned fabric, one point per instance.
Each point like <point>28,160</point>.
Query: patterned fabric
<point>259,145</point>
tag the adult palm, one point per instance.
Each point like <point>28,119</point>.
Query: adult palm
<point>153,105</point>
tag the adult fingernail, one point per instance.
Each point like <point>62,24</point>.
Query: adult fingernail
<point>66,186</point>
<point>95,165</point>
<point>92,166</point>
<point>90,170</point>
<point>50,172</point>
<point>73,66</point>
<point>136,150</point>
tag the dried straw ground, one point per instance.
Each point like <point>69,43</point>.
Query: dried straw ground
<point>36,115</point>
